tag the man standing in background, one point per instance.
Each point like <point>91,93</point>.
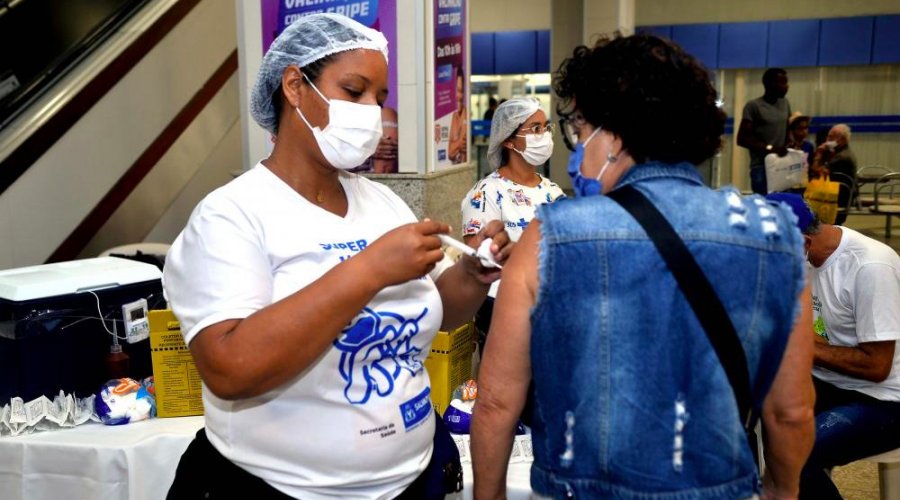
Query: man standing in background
<point>763,127</point>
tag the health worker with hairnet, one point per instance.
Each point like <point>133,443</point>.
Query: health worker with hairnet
<point>521,141</point>
<point>309,296</point>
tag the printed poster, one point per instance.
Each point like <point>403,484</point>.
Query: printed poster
<point>451,116</point>
<point>380,15</point>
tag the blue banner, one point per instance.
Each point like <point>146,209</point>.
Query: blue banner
<point>449,19</point>
<point>363,11</point>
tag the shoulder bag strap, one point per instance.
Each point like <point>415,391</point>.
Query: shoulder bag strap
<point>698,291</point>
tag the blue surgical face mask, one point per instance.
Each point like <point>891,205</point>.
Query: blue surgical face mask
<point>584,186</point>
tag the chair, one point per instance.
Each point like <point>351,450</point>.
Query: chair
<point>847,183</point>
<point>886,200</point>
<point>888,473</point>
<point>867,175</point>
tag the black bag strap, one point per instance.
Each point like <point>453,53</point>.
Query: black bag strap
<point>699,293</point>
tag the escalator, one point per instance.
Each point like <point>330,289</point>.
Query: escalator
<point>44,39</point>
<point>116,116</point>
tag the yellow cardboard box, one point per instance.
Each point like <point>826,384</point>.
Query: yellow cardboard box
<point>450,363</point>
<point>174,373</point>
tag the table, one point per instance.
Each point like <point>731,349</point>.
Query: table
<point>94,461</point>
<point>134,462</point>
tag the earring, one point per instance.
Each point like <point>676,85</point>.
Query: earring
<point>611,158</point>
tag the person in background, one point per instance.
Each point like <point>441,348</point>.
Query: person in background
<point>521,141</point>
<point>822,135</point>
<point>855,296</point>
<point>459,122</point>
<point>798,132</point>
<point>835,156</point>
<point>630,399</point>
<point>763,128</point>
<point>492,106</point>
<point>309,296</point>
<point>384,161</point>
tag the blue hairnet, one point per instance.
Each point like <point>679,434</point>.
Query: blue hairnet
<point>307,40</point>
<point>508,117</point>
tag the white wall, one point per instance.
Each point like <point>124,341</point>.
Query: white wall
<point>201,159</point>
<point>40,210</point>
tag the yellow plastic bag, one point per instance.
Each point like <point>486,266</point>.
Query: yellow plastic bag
<point>822,196</point>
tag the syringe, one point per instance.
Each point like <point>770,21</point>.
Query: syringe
<point>486,260</point>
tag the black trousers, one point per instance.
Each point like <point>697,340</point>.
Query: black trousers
<point>205,474</point>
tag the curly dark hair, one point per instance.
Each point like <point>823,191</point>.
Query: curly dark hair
<point>654,96</point>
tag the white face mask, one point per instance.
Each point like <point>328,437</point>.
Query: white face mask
<point>352,133</point>
<point>538,148</point>
<point>831,145</point>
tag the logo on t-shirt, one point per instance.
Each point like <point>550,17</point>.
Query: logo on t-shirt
<point>376,349</point>
<point>472,227</point>
<point>416,410</point>
<point>476,200</point>
<point>519,197</point>
<point>819,325</point>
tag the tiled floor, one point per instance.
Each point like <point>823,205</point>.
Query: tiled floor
<point>873,226</point>
<point>859,480</point>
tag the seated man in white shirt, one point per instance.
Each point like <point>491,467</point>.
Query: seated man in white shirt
<point>856,307</point>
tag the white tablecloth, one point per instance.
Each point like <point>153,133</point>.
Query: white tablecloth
<point>94,461</point>
<point>131,462</point>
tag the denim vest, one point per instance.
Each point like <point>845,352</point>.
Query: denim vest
<point>630,399</point>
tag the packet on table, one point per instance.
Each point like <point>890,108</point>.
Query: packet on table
<point>124,400</point>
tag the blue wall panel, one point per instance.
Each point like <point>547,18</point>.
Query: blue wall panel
<point>542,60</point>
<point>793,43</point>
<point>482,53</point>
<point>886,46</point>
<point>743,45</point>
<point>846,41</point>
<point>700,40</point>
<point>514,52</point>
<point>660,31</point>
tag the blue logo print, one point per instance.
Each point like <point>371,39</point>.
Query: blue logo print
<point>416,410</point>
<point>375,349</point>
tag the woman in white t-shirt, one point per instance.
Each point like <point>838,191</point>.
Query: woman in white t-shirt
<point>309,296</point>
<point>521,140</point>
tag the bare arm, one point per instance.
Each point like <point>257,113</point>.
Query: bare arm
<point>788,411</point>
<point>876,293</point>
<point>245,358</point>
<point>869,360</point>
<point>464,286</point>
<point>746,138</point>
<point>506,369</point>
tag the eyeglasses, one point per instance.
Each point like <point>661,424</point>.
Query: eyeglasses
<point>570,125</point>
<point>537,128</point>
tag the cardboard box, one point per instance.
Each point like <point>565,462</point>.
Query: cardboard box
<point>174,372</point>
<point>450,363</point>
